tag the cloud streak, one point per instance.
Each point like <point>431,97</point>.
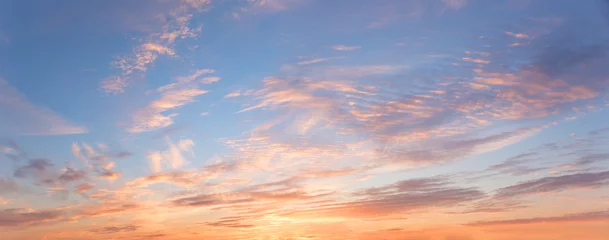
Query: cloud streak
<point>577,217</point>
<point>172,96</point>
<point>18,116</point>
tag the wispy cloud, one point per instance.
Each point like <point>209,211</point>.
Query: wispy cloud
<point>179,93</point>
<point>22,217</point>
<point>455,4</point>
<point>21,117</point>
<point>233,94</point>
<point>271,6</point>
<point>317,60</point>
<point>345,48</point>
<point>560,183</point>
<point>474,60</point>
<point>517,35</point>
<point>397,198</point>
<point>115,229</point>
<point>600,216</point>
<point>177,26</point>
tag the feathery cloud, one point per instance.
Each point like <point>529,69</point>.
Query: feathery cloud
<point>174,95</point>
<point>345,48</point>
<point>177,26</point>
<point>577,217</point>
<point>18,116</point>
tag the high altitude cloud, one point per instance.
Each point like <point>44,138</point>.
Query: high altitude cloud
<point>554,184</point>
<point>18,116</point>
<point>345,48</point>
<point>177,26</point>
<point>271,6</point>
<point>577,217</point>
<point>115,229</point>
<point>173,95</point>
<point>395,199</point>
<point>455,4</point>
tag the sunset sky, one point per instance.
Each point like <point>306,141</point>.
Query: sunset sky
<point>304,119</point>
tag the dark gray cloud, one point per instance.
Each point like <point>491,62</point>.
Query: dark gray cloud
<point>560,183</point>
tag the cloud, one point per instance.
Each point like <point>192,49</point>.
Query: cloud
<point>233,94</point>
<point>176,26</point>
<point>517,35</point>
<point>361,71</point>
<point>8,186</point>
<point>21,217</point>
<point>100,161</point>
<point>18,116</point>
<point>554,184</point>
<point>38,168</point>
<point>171,158</point>
<point>312,61</point>
<point>179,178</point>
<point>143,56</point>
<point>87,211</point>
<point>601,216</point>
<point>209,80</point>
<point>255,198</point>
<point>115,229</point>
<point>109,175</point>
<point>451,148</point>
<point>474,60</point>
<point>599,131</point>
<point>230,222</point>
<point>528,94</point>
<point>455,4</point>
<point>192,77</point>
<point>398,198</point>
<point>71,175</point>
<point>345,48</point>
<point>174,95</point>
<point>271,6</point>
<point>84,187</point>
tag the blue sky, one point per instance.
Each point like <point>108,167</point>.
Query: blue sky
<point>116,110</point>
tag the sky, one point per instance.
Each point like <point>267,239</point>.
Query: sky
<point>304,119</point>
